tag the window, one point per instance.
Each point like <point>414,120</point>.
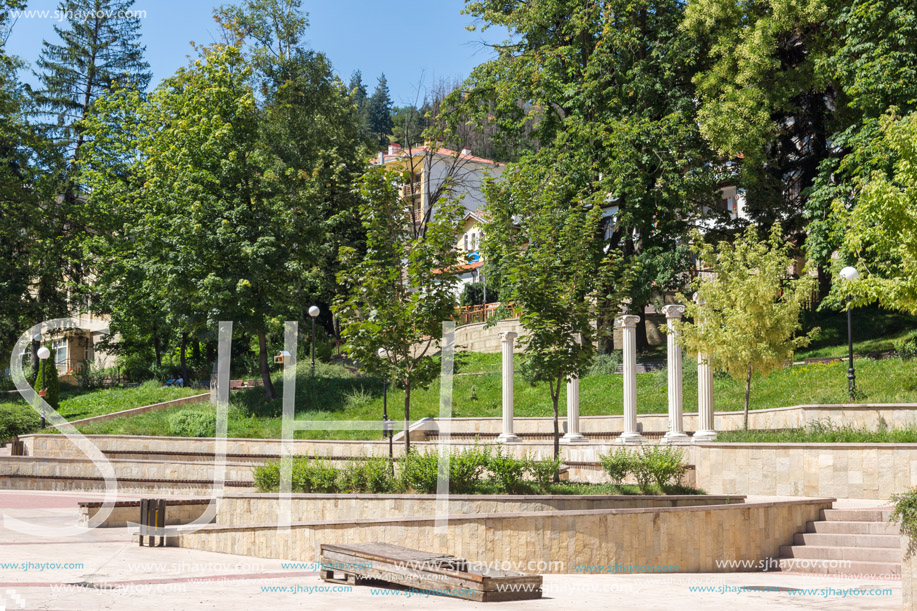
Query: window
<point>466,241</point>
<point>474,241</point>
<point>60,353</point>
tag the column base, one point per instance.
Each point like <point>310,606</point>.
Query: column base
<point>574,438</point>
<point>676,439</point>
<point>629,439</point>
<point>508,438</point>
<point>702,436</point>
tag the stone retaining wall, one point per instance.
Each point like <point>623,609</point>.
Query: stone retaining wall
<point>842,470</point>
<point>62,468</point>
<point>261,508</point>
<point>693,538</point>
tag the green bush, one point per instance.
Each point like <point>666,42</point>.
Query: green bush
<point>605,364</point>
<point>664,464</point>
<point>267,477</point>
<point>371,475</point>
<point>508,472</point>
<point>192,423</point>
<point>466,468</point>
<point>47,379</point>
<point>473,294</point>
<point>906,347</point>
<point>315,476</point>
<point>543,472</point>
<point>419,472</point>
<point>17,420</point>
<point>618,464</point>
<point>905,516</point>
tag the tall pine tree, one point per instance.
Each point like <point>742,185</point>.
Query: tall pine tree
<point>99,49</point>
<point>380,112</point>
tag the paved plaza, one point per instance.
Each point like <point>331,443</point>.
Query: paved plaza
<point>106,570</point>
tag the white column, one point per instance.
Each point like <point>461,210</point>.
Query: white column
<point>676,433</point>
<point>573,435</point>
<point>705,431</point>
<point>628,326</point>
<point>507,436</point>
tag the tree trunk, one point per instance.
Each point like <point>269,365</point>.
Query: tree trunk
<point>269,391</point>
<point>555,396</point>
<point>157,346</point>
<point>196,354</point>
<point>643,342</point>
<point>407,417</point>
<point>211,354</point>
<point>182,359</point>
<point>747,393</point>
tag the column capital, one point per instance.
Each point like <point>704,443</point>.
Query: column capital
<point>673,310</point>
<point>627,321</point>
<point>508,336</point>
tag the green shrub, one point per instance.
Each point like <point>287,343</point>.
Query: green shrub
<point>905,516</point>
<point>665,464</point>
<point>315,476</point>
<point>543,472</point>
<point>641,470</point>
<point>267,477</point>
<point>906,347</point>
<point>371,475</point>
<point>466,468</point>
<point>508,472</point>
<point>17,420</point>
<point>605,364</point>
<point>192,423</point>
<point>618,464</point>
<point>47,379</point>
<point>419,472</point>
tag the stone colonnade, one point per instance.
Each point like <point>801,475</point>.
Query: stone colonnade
<point>631,435</point>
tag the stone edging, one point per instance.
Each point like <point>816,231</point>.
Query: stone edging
<point>146,408</point>
<point>536,514</point>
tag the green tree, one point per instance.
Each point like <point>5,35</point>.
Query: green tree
<point>361,101</point>
<point>398,293</point>
<point>47,380</point>
<point>544,246</point>
<point>746,312</point>
<point>24,283</point>
<point>879,235</point>
<point>612,81</point>
<point>380,112</point>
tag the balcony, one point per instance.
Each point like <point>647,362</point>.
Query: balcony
<point>410,189</point>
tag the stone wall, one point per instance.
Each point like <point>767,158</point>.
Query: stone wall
<point>146,408</point>
<point>64,468</point>
<point>693,538</point>
<point>908,578</point>
<point>262,509</point>
<point>842,470</point>
<point>477,337</point>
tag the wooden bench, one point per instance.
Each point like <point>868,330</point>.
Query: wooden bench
<point>426,572</point>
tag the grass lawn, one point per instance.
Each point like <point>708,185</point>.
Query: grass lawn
<point>874,330</point>
<point>336,394</point>
<point>76,404</point>
<point>823,432</point>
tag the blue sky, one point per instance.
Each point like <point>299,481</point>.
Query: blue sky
<point>413,42</point>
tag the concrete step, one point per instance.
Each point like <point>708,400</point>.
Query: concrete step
<point>846,540</point>
<point>852,528</point>
<point>838,567</point>
<point>853,554</point>
<point>855,515</point>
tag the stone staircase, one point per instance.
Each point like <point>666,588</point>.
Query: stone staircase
<point>845,541</point>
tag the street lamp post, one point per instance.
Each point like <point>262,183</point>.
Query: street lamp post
<point>313,312</point>
<point>849,274</point>
<point>43,354</point>
<point>386,423</point>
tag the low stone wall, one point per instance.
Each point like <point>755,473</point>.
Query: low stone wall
<point>177,512</point>
<point>82,468</point>
<point>477,337</point>
<point>842,470</point>
<point>869,415</point>
<point>692,538</point>
<point>155,407</point>
<point>262,508</point>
